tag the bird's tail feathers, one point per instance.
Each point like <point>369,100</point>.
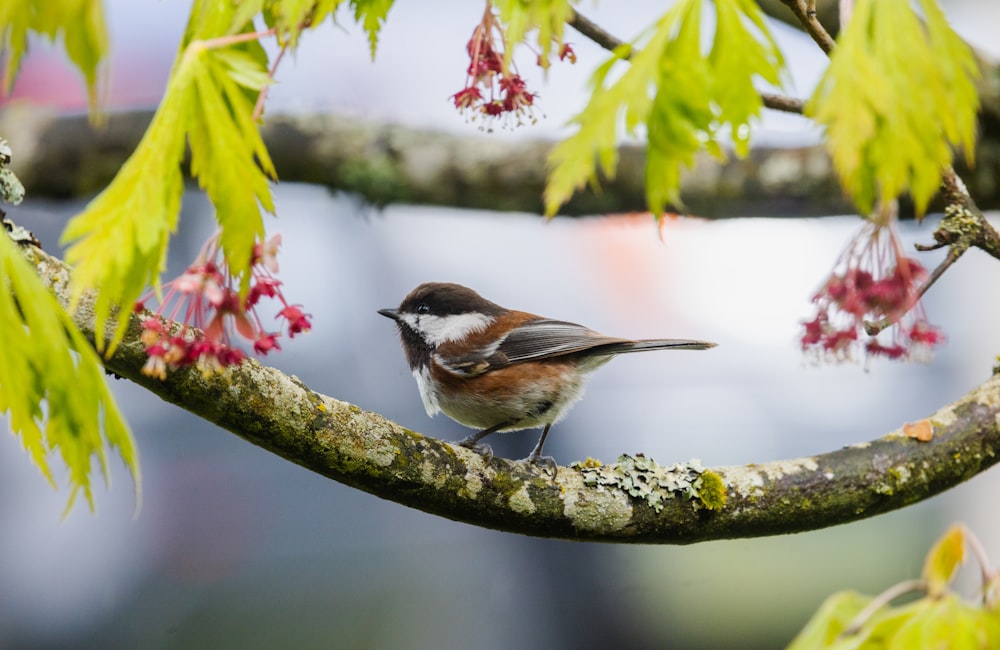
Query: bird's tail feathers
<point>658,344</point>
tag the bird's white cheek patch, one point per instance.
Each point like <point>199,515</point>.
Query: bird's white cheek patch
<point>442,329</point>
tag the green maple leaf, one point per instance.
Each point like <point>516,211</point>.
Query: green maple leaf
<point>78,24</point>
<point>52,383</point>
<point>547,17</point>
<point>371,15</point>
<point>898,95</point>
<point>675,96</point>
<point>119,242</point>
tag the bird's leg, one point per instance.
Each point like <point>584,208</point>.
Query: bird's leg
<point>536,458</point>
<point>471,442</point>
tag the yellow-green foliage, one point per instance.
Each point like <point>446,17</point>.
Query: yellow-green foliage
<point>45,358</point>
<point>371,15</point>
<point>118,244</point>
<point>548,17</point>
<point>941,619</point>
<point>79,23</point>
<point>52,386</point>
<point>679,98</point>
<point>898,95</point>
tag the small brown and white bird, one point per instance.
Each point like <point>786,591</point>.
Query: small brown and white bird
<point>497,369</point>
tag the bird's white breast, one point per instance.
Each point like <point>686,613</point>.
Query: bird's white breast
<point>427,395</point>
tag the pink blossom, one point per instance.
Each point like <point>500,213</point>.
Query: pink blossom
<point>872,282</point>
<point>209,313</point>
<point>494,89</point>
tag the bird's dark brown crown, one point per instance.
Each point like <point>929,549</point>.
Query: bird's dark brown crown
<point>447,298</point>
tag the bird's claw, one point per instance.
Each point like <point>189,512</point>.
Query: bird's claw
<point>483,450</point>
<point>547,463</point>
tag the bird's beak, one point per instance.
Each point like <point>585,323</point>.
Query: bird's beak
<point>390,313</point>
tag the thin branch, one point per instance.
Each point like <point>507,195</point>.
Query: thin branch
<point>966,222</point>
<point>806,13</point>
<point>880,601</point>
<point>827,12</point>
<point>595,32</point>
<point>873,328</point>
<point>233,39</point>
<point>986,571</point>
<point>783,103</point>
<point>258,109</point>
<point>368,452</point>
<point>963,227</point>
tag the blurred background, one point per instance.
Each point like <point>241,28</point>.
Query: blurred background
<point>236,547</point>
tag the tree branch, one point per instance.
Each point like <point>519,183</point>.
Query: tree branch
<point>385,164</point>
<point>368,452</point>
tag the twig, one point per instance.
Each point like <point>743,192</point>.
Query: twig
<point>233,39</point>
<point>955,252</point>
<point>258,108</point>
<point>880,601</point>
<point>964,223</point>
<point>806,13</point>
<point>986,572</point>
<point>783,103</point>
<point>595,32</point>
<point>962,228</point>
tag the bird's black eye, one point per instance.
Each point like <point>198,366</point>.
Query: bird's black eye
<point>423,308</point>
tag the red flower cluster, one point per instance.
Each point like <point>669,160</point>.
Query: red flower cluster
<point>873,287</point>
<point>207,304</point>
<point>491,89</point>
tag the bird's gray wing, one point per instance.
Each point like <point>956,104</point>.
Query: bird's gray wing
<point>545,338</point>
<point>532,341</point>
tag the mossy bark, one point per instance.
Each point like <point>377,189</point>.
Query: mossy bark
<point>65,157</point>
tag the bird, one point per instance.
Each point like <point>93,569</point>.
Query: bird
<point>497,369</point>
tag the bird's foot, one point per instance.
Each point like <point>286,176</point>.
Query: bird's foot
<point>472,443</point>
<point>547,463</point>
